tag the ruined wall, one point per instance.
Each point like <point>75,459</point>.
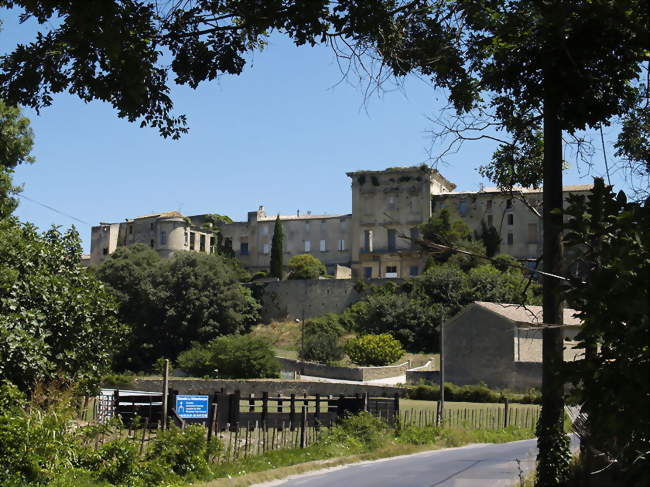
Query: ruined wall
<point>342,373</point>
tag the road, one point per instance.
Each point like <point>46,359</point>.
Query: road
<point>468,466</point>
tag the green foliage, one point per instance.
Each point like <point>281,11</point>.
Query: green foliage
<point>305,266</point>
<point>471,393</point>
<point>321,341</point>
<point>374,350</point>
<point>16,141</point>
<point>56,318</point>
<point>490,238</point>
<point>612,236</point>
<point>235,357</point>
<point>168,303</point>
<point>414,322</point>
<point>277,251</point>
<point>369,430</point>
<point>184,451</point>
<point>118,381</point>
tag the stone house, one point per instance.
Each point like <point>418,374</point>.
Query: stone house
<point>501,345</point>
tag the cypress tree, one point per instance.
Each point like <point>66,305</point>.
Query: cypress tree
<point>277,250</point>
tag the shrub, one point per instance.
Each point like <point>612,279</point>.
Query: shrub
<point>305,266</point>
<point>471,393</point>
<point>235,357</point>
<point>364,428</point>
<point>323,348</point>
<point>374,350</point>
<point>184,451</point>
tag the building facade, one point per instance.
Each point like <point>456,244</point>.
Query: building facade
<point>376,240</point>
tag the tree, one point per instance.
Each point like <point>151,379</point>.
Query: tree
<point>305,266</point>
<point>531,69</point>
<point>277,250</point>
<point>168,303</point>
<point>57,321</point>
<point>613,238</point>
<point>490,238</point>
<point>321,339</point>
<point>125,52</point>
<point>233,356</point>
<point>16,141</point>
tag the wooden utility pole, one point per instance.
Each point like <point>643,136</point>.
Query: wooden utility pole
<point>441,407</point>
<point>165,393</point>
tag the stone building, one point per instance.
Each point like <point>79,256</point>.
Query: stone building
<point>501,345</point>
<point>375,240</point>
<point>166,233</point>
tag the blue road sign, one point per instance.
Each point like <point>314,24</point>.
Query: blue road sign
<point>192,406</point>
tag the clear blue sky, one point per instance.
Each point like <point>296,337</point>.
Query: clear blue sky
<point>280,135</point>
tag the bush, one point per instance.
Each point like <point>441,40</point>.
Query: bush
<point>234,356</point>
<point>184,451</point>
<point>471,393</point>
<point>305,266</point>
<point>323,348</point>
<point>374,350</point>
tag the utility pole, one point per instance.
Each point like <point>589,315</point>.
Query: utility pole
<point>441,407</point>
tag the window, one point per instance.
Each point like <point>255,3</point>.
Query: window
<point>511,239</point>
<point>202,243</point>
<point>391,271</point>
<point>187,239</point>
<point>243,248</point>
<point>105,251</point>
<point>266,249</point>
<point>508,203</point>
<point>130,229</point>
<point>489,204</point>
<point>306,227</point>
<point>341,245</point>
<point>392,234</point>
<point>265,230</point>
<point>391,202</point>
<point>367,272</point>
<point>413,271</point>
<point>151,243</point>
<point>192,240</point>
<point>490,221</point>
<point>367,241</point>
<point>151,227</point>
<point>532,233</point>
<point>463,208</point>
<point>323,246</point>
<point>511,219</point>
<point>163,238</point>
<point>307,245</point>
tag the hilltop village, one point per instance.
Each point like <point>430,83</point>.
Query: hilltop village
<point>376,240</point>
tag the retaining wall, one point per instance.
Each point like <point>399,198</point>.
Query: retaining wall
<point>257,387</point>
<point>342,373</point>
<point>288,300</point>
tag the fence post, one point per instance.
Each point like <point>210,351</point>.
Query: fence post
<point>505,413</point>
<point>396,408</point>
<point>236,399</point>
<point>365,401</point>
<point>292,413</point>
<point>251,403</point>
<point>116,402</point>
<point>265,409</point>
<point>210,424</point>
<point>303,426</point>
<point>317,413</point>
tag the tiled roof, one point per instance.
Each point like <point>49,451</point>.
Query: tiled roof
<point>302,217</point>
<point>526,314</point>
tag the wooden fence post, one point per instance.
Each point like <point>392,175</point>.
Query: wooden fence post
<point>235,411</point>
<point>292,413</point>
<point>365,401</point>
<point>317,413</point>
<point>265,409</point>
<point>303,426</point>
<point>505,413</point>
<point>395,408</point>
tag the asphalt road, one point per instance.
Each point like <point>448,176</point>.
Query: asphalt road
<point>468,466</point>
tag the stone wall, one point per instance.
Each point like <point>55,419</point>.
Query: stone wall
<point>257,387</point>
<point>342,373</point>
<point>288,300</point>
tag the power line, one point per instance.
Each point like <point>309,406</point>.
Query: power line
<point>54,209</point>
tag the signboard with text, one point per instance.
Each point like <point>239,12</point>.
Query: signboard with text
<point>192,407</point>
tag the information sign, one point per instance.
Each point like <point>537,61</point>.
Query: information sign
<point>192,407</point>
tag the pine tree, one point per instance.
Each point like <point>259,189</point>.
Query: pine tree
<point>276,250</point>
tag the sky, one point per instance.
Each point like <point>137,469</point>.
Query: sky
<point>282,134</point>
